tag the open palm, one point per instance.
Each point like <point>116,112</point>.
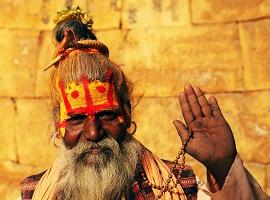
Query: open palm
<point>212,138</point>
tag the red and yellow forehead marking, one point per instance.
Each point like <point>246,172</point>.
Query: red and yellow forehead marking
<point>85,98</point>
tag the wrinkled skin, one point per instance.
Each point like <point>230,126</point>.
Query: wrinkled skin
<point>83,128</point>
<point>212,141</point>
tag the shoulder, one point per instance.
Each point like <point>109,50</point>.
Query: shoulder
<point>29,184</point>
<point>32,179</point>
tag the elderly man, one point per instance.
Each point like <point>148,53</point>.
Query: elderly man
<point>99,159</point>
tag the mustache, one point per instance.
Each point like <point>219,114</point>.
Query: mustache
<point>107,151</point>
<point>108,148</point>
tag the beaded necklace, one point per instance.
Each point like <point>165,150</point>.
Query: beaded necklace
<point>167,187</point>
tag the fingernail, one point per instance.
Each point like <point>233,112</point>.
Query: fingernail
<point>182,94</point>
<point>196,89</point>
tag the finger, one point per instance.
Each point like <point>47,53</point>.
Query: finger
<point>186,111</point>
<point>215,107</point>
<point>205,106</point>
<point>181,130</point>
<point>193,101</point>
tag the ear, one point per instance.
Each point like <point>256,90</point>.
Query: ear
<point>56,126</point>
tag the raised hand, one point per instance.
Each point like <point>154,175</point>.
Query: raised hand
<point>212,141</point>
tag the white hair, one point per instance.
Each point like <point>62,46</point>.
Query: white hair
<point>99,176</point>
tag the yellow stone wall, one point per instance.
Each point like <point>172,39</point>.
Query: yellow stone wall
<point>222,46</point>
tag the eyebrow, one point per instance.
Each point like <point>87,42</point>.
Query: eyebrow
<point>113,109</point>
<point>109,110</point>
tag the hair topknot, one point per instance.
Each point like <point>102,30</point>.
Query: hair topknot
<point>77,20</point>
<point>74,13</point>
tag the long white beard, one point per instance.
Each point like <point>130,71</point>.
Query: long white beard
<point>98,176</point>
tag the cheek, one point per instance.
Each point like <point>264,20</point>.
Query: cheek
<point>116,130</point>
<point>72,136</point>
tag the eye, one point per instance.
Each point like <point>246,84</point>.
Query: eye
<point>107,115</point>
<point>77,119</point>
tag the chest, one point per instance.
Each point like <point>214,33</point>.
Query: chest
<point>138,190</point>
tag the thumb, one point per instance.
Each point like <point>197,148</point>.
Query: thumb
<point>181,129</point>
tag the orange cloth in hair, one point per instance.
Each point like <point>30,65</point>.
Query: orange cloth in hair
<point>71,51</point>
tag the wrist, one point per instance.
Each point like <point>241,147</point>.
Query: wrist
<point>220,169</point>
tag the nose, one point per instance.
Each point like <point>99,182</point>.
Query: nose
<point>93,130</point>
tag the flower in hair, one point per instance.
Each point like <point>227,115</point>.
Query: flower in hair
<point>74,13</point>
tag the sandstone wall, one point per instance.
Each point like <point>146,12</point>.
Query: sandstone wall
<point>221,46</point>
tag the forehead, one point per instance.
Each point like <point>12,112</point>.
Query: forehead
<point>86,97</point>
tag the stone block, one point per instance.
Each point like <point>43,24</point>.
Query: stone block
<point>20,14</point>
<point>115,41</point>
<point>258,171</point>
<point>156,13</point>
<point>41,13</point>
<point>11,174</point>
<point>34,126</point>
<point>161,61</point>
<point>9,191</point>
<point>46,49</point>
<point>247,115</point>
<point>154,118</point>
<point>18,62</point>
<point>214,11</point>
<point>33,14</point>
<point>7,136</point>
<point>106,14</point>
<point>255,48</point>
<point>14,172</point>
<point>48,10</point>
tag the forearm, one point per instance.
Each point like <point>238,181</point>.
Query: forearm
<point>239,184</point>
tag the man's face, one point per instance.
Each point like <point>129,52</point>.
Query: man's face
<point>98,159</point>
<point>90,111</point>
<point>94,128</point>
